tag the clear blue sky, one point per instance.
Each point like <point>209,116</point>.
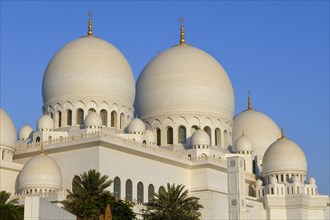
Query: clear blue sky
<point>279,50</point>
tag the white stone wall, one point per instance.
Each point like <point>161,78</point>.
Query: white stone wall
<point>8,174</point>
<point>41,209</point>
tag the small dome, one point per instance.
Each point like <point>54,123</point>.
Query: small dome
<point>25,132</point>
<point>273,180</point>
<point>178,74</point>
<point>136,126</point>
<point>89,68</point>
<point>93,119</point>
<point>150,136</point>
<point>200,137</point>
<point>7,130</point>
<point>258,127</point>
<point>259,182</point>
<point>284,156</point>
<point>243,144</point>
<point>45,122</point>
<point>40,172</point>
<point>312,181</point>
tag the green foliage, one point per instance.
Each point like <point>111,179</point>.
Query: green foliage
<point>4,196</point>
<point>11,212</point>
<point>89,198</point>
<point>173,203</point>
<point>8,209</point>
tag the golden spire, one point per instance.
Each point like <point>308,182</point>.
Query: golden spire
<point>90,24</point>
<point>41,148</point>
<point>282,134</point>
<point>182,40</point>
<point>249,101</point>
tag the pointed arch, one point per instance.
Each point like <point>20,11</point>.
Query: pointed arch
<point>80,116</point>
<point>182,134</point>
<point>169,135</point>
<point>217,134</point>
<point>116,188</point>
<point>104,116</point>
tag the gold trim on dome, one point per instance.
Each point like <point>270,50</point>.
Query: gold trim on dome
<point>249,101</point>
<point>90,24</point>
<point>182,40</point>
<point>42,148</point>
<point>282,135</point>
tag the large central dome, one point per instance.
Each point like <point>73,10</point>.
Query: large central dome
<point>88,68</point>
<point>184,80</point>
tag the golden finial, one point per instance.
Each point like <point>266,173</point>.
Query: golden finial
<point>182,40</point>
<point>282,134</point>
<point>90,24</point>
<point>249,101</point>
<point>41,148</point>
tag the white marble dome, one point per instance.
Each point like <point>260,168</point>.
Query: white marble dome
<point>88,68</point>
<point>312,181</point>
<point>93,119</point>
<point>284,156</point>
<point>40,172</point>
<point>136,126</point>
<point>25,132</point>
<point>150,136</point>
<point>45,122</point>
<point>243,143</point>
<point>200,137</point>
<point>187,80</point>
<point>7,130</point>
<point>258,127</point>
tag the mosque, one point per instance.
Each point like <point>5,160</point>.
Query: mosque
<point>176,124</point>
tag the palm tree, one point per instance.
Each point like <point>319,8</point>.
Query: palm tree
<point>173,203</point>
<point>89,198</point>
<point>4,196</point>
<point>9,210</point>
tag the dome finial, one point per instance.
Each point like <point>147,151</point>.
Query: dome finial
<point>249,101</point>
<point>90,24</point>
<point>182,40</point>
<point>42,148</point>
<point>282,134</point>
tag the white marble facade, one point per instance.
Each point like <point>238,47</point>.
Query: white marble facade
<point>185,132</point>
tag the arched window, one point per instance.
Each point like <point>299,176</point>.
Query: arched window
<point>122,121</point>
<point>193,129</point>
<point>80,116</point>
<point>38,139</point>
<point>217,137</point>
<point>91,110</point>
<point>158,137</point>
<point>182,135</point>
<point>169,135</point>
<point>129,190</point>
<point>225,139</point>
<point>69,117</point>
<point>151,192</point>
<point>140,193</point>
<point>59,118</point>
<point>161,189</point>
<point>116,188</point>
<point>104,116</point>
<point>51,115</point>
<point>208,131</point>
<point>254,166</point>
<point>113,119</point>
